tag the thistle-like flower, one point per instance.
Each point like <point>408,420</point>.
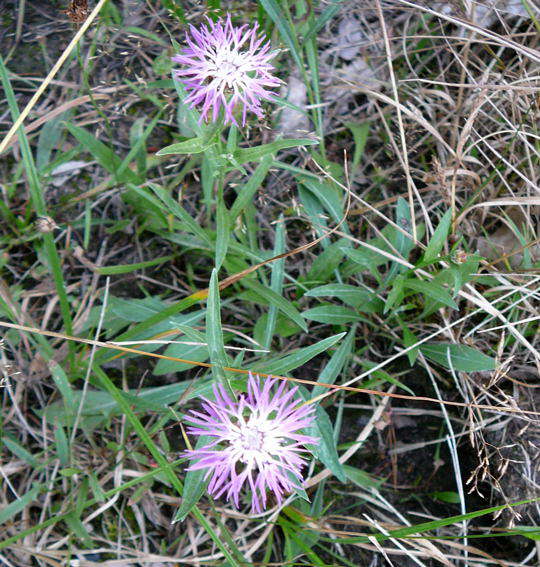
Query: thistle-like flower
<point>256,441</point>
<point>224,65</point>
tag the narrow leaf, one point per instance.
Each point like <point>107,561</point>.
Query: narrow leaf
<point>286,307</point>
<point>332,314</point>
<point>360,134</point>
<point>245,155</point>
<point>459,357</point>
<point>363,299</point>
<point>336,363</point>
<point>297,358</point>
<point>246,192</point>
<point>214,333</point>
<point>325,449</point>
<point>438,239</point>
<point>432,290</point>
<point>194,485</point>
<point>328,13</point>
<point>128,268</point>
<point>273,9</point>
<point>20,504</point>
<point>179,212</point>
<point>192,146</point>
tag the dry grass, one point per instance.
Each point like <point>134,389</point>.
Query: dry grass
<point>454,111</point>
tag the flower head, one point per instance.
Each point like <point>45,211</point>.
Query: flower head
<point>224,65</point>
<point>256,441</point>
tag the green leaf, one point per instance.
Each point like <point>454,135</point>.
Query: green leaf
<point>70,471</point>
<point>49,137</point>
<point>99,495</point>
<point>438,239</point>
<point>127,268</point>
<point>102,153</point>
<point>179,212</point>
<point>176,350</point>
<point>151,322</point>
<point>187,118</point>
<point>284,327</point>
<point>77,528</point>
<point>138,138</point>
<point>361,478</point>
<point>134,30</point>
<point>459,357</point>
<point>325,449</point>
<point>100,405</point>
<point>316,212</point>
<point>409,339</point>
<point>192,146</point>
<point>20,451</point>
<point>332,314</point>
<point>175,8</point>
<point>297,489</point>
<point>328,13</point>
<point>297,358</point>
<point>270,296</point>
<point>362,299</point>
<point>396,295</point>
<point>7,512</point>
<point>194,485</point>
<point>299,543</point>
<point>325,263</point>
<point>246,192</point>
<point>62,383</point>
<point>384,376</point>
<point>223,233</point>
<point>82,496</point>
<point>62,445</point>
<point>531,532</point>
<point>368,259</point>
<point>272,8</point>
<point>150,210</point>
<point>326,194</point>
<point>137,310</point>
<point>336,363</point>
<point>424,527</point>
<point>401,242</point>
<point>360,134</point>
<point>214,333</point>
<point>245,155</point>
<point>432,290</point>
<point>446,496</point>
<point>459,274</point>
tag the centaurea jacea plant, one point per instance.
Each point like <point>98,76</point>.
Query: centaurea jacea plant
<point>257,441</point>
<point>226,66</point>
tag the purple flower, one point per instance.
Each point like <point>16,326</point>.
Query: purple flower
<point>224,65</point>
<point>256,442</point>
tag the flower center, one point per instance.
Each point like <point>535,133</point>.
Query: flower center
<point>228,68</point>
<point>252,440</point>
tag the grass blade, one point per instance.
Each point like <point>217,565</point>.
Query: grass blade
<point>38,202</point>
